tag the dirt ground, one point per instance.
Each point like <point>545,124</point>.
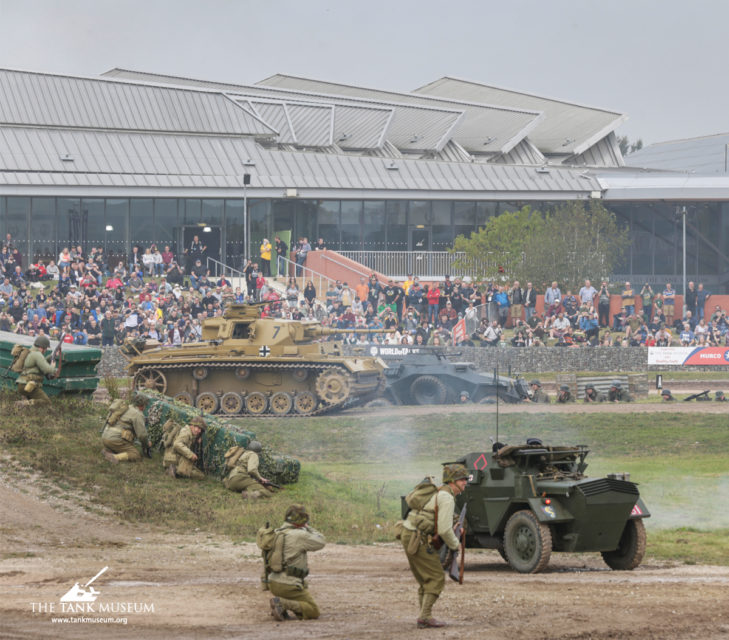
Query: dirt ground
<point>202,586</point>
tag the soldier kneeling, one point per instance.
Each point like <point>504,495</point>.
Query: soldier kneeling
<point>35,367</point>
<point>119,433</point>
<point>180,459</point>
<point>244,476</point>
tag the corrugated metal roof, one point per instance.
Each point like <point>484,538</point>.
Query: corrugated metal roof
<point>41,99</point>
<point>32,156</point>
<point>485,128</point>
<point>704,155</point>
<point>604,153</point>
<point>523,153</point>
<point>639,185</point>
<point>566,128</point>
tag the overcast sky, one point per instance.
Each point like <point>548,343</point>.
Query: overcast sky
<point>661,62</point>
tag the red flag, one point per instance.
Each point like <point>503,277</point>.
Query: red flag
<point>459,331</point>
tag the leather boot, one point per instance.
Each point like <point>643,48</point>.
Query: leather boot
<point>292,605</point>
<point>111,457</point>
<point>171,471</point>
<point>426,620</point>
<point>277,611</point>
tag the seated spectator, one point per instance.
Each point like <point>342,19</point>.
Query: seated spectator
<point>620,320</point>
<point>560,326</point>
<point>686,337</point>
<point>492,336</point>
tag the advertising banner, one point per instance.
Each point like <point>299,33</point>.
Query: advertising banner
<point>688,355</point>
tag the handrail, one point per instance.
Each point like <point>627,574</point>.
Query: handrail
<point>320,281</point>
<point>347,266</point>
<point>224,269</point>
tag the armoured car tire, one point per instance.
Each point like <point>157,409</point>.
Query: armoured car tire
<point>502,552</point>
<point>184,397</point>
<point>231,403</point>
<point>527,542</point>
<point>488,400</point>
<point>281,403</point>
<point>200,373</point>
<point>379,402</point>
<point>428,390</point>
<point>631,548</point>
<point>256,403</point>
<point>207,402</point>
<point>150,379</point>
<point>305,403</point>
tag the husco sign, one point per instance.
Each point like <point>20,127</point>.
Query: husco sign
<point>705,356</point>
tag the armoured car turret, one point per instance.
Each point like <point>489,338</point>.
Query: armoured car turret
<point>257,366</point>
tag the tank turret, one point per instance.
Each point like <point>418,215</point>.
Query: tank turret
<point>249,365</point>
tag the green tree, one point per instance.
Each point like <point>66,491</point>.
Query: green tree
<point>571,243</point>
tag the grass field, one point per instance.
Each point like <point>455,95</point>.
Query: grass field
<point>354,469</point>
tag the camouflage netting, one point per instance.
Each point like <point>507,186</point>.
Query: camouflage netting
<point>219,436</point>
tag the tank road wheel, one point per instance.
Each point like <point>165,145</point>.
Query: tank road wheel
<point>428,390</point>
<point>300,374</point>
<point>527,542</point>
<point>150,380</point>
<point>631,548</point>
<point>242,373</point>
<point>200,373</point>
<point>256,403</point>
<point>281,403</point>
<point>207,401</point>
<point>231,403</point>
<point>333,386</point>
<point>304,403</point>
<point>183,397</point>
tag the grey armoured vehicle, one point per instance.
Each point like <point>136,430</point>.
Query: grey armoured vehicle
<point>424,375</point>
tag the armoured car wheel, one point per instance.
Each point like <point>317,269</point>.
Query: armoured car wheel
<point>207,401</point>
<point>242,373</point>
<point>281,403</point>
<point>256,403</point>
<point>502,552</point>
<point>527,542</point>
<point>631,548</point>
<point>333,386</point>
<point>231,403</point>
<point>488,400</point>
<point>183,397</point>
<point>200,373</point>
<point>300,374</point>
<point>304,403</point>
<point>428,390</point>
<point>150,380</point>
<point>379,402</point>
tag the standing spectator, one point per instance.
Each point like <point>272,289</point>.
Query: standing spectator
<point>552,300</point>
<point>167,258</point>
<point>281,251</point>
<point>628,299</point>
<point>530,302</point>
<point>108,329</point>
<point>587,294</point>
<point>301,252</point>
<point>646,298</point>
<point>361,290</point>
<point>603,305</point>
<point>502,304</point>
<point>669,302</point>
<point>516,299</point>
<point>690,300</point>
<point>701,297</point>
<point>433,296</point>
<point>135,260</point>
<point>158,261</point>
<point>309,293</point>
<point>292,292</point>
<point>320,245</point>
<point>148,262</point>
<point>265,251</point>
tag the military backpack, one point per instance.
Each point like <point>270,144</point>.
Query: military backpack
<point>117,409</point>
<point>232,456</point>
<point>170,430</point>
<point>19,354</point>
<point>423,491</point>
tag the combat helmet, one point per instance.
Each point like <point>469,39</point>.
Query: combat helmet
<point>564,387</point>
<point>42,342</point>
<point>616,384</point>
<point>590,386</point>
<point>454,472</point>
<point>535,382</point>
<point>255,446</point>
<point>296,514</point>
<point>200,423</point>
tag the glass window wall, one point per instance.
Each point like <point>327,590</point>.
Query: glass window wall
<point>351,226</point>
<point>373,227</point>
<point>43,223</point>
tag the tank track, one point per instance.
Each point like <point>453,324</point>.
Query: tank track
<point>350,400</point>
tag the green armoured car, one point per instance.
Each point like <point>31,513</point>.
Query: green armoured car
<point>527,501</point>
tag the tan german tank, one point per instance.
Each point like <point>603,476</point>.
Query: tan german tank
<point>248,365</point>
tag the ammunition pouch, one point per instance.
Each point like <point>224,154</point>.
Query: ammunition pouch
<point>127,434</point>
<point>399,529</point>
<point>414,543</point>
<point>30,386</point>
<point>297,573</point>
<point>423,521</point>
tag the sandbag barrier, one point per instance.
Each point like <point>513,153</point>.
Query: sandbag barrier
<point>219,436</point>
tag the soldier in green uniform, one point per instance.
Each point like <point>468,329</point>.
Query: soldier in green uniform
<point>416,537</point>
<point>244,476</point>
<point>719,396</point>
<point>118,438</point>
<point>565,395</point>
<point>617,393</point>
<point>180,459</point>
<point>289,585</point>
<point>35,368</point>
<point>538,394</point>
<point>592,394</point>
<point>667,396</point>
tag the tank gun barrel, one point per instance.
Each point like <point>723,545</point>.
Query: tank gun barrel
<point>328,331</point>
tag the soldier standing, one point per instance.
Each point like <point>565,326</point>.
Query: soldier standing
<point>289,586</point>
<point>244,476</point>
<point>418,529</point>
<point>538,394</point>
<point>118,438</point>
<point>592,395</point>
<point>618,394</point>
<point>35,368</point>
<point>180,459</point>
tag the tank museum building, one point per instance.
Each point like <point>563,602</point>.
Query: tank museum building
<point>132,158</point>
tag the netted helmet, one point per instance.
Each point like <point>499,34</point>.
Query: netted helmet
<point>42,342</point>
<point>466,395</point>
<point>453,472</point>
<point>719,394</point>
<point>139,400</point>
<point>296,514</point>
<point>199,422</point>
<point>255,446</point>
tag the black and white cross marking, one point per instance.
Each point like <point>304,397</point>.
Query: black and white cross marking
<point>264,351</point>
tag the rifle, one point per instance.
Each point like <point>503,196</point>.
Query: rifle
<point>58,354</point>
<point>268,483</point>
<point>454,563</point>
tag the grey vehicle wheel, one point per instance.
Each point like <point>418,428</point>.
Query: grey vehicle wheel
<point>527,542</point>
<point>428,390</point>
<point>631,548</point>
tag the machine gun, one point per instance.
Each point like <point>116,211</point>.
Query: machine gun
<point>701,396</point>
